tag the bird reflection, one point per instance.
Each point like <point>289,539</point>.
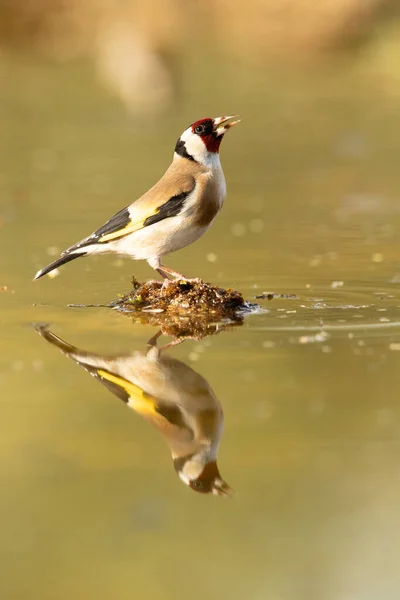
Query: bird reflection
<point>173,397</point>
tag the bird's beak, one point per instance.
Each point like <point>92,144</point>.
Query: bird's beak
<point>221,488</point>
<point>222,124</point>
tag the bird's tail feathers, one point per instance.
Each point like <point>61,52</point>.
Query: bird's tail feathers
<point>65,258</point>
<point>90,362</point>
<point>84,359</point>
<point>43,331</point>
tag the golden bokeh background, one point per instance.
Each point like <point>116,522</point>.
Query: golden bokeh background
<point>93,95</point>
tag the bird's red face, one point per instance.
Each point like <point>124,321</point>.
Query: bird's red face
<point>205,130</point>
<point>211,131</point>
<point>200,142</point>
<point>200,476</point>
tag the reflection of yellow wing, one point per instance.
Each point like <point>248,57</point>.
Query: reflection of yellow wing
<point>139,400</point>
<point>144,403</point>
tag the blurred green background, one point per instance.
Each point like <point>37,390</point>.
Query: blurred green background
<point>93,96</point>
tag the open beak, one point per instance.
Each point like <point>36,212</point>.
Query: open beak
<point>222,124</point>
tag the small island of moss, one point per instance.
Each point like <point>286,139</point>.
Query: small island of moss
<point>181,297</point>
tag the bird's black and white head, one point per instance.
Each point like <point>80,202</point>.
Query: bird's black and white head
<point>201,475</point>
<point>201,141</point>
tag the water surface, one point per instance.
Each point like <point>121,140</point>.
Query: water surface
<point>91,506</point>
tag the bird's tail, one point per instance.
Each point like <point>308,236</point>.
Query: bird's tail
<point>87,360</point>
<point>65,258</point>
<point>94,364</point>
<point>42,330</point>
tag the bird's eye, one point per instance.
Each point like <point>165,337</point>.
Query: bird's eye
<point>196,484</point>
<point>199,129</point>
<point>200,486</point>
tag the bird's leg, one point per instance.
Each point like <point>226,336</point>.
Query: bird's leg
<point>155,263</point>
<point>153,351</point>
<point>153,340</point>
<point>163,275</point>
<point>165,271</point>
<point>175,342</point>
<point>153,348</point>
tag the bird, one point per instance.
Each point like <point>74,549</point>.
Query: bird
<point>175,212</point>
<point>174,398</point>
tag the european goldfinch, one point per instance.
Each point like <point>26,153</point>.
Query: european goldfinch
<point>175,212</point>
<point>175,399</point>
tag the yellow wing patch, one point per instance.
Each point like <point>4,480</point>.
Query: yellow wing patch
<point>130,228</point>
<point>139,400</point>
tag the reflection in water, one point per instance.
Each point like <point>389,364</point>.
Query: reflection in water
<point>170,395</point>
<point>194,326</point>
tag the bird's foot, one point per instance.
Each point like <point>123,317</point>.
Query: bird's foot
<point>167,283</point>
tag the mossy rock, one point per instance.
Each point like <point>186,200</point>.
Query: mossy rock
<point>185,307</point>
<point>181,297</point>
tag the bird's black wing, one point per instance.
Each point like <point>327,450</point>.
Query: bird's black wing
<point>129,220</point>
<point>116,225</point>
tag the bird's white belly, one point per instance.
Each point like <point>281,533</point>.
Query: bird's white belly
<point>159,239</point>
